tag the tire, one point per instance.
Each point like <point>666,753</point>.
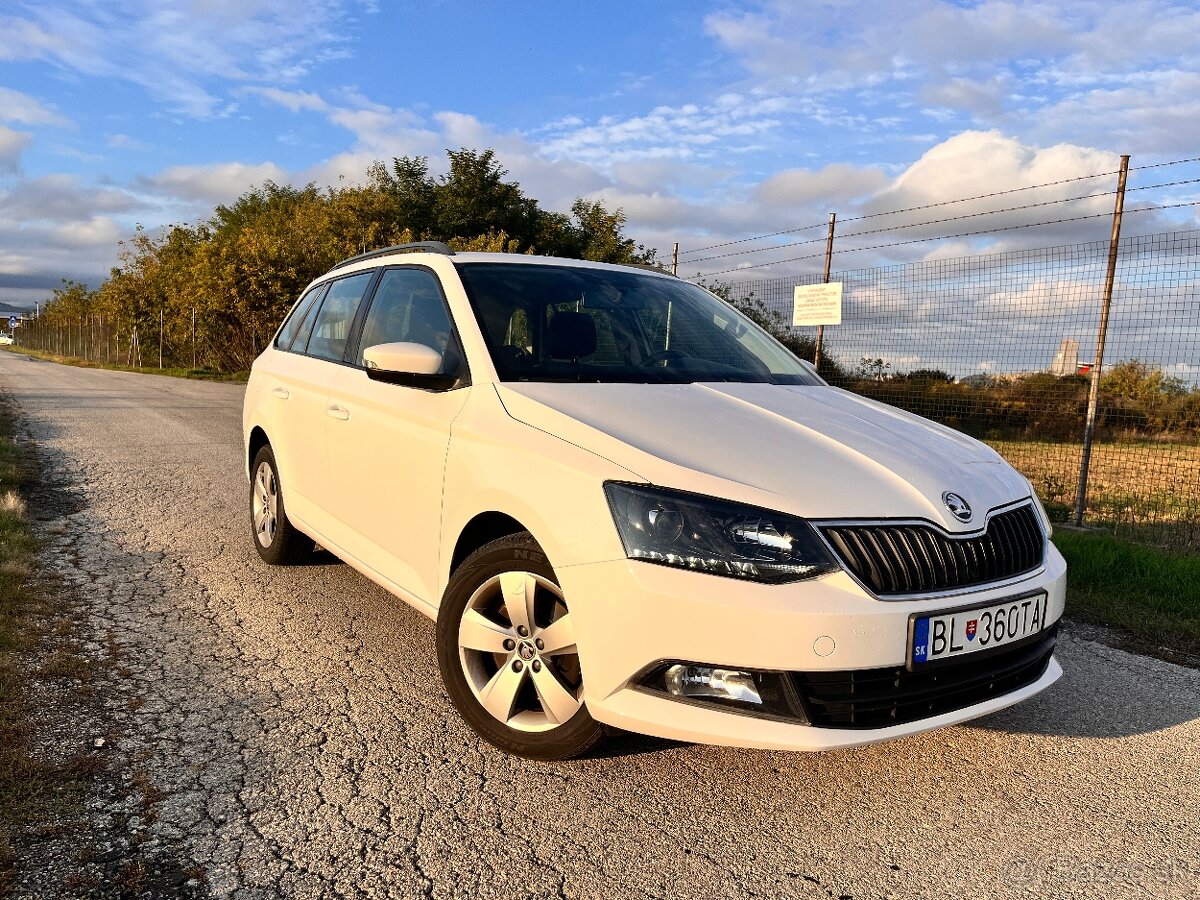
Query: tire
<point>277,540</point>
<point>524,698</point>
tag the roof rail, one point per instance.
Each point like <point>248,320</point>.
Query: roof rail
<point>427,246</point>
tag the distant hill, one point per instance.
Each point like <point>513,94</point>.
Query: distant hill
<point>8,309</point>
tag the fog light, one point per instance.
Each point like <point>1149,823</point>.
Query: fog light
<point>704,681</point>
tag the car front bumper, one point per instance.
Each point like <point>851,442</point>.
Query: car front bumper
<point>630,616</point>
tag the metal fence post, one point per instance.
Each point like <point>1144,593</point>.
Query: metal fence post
<point>828,264</point>
<point>1089,427</point>
<point>160,337</point>
<point>193,337</point>
<point>675,260</point>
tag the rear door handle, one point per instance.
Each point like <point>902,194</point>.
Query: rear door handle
<point>337,412</point>
<point>281,393</point>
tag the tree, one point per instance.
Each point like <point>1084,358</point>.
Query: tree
<point>1139,381</point>
<point>473,198</point>
<point>241,269</point>
<point>872,369</point>
<point>933,375</point>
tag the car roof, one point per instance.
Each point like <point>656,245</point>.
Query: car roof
<point>403,254</point>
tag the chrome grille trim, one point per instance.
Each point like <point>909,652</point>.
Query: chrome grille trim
<point>895,559</point>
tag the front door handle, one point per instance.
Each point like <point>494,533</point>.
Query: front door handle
<point>337,412</point>
<point>281,393</point>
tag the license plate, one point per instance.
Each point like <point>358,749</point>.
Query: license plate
<point>965,631</point>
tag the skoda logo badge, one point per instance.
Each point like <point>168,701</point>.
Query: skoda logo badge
<point>958,506</point>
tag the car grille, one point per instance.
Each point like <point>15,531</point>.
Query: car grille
<point>918,559</point>
<point>876,698</point>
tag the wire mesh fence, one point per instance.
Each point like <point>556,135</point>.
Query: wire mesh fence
<point>1001,346</point>
<point>167,340</point>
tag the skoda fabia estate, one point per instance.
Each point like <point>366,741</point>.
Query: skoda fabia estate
<point>628,507</point>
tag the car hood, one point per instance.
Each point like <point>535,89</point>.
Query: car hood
<point>815,451</point>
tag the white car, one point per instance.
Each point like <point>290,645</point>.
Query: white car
<point>6,339</point>
<point>628,507</point>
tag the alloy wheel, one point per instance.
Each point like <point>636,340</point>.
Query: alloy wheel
<point>516,645</point>
<point>265,504</point>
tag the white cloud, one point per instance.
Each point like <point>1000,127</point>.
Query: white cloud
<point>18,107</point>
<point>1156,114</point>
<point>62,199</point>
<point>1044,295</point>
<point>55,227</point>
<point>126,142</point>
<point>1086,71</point>
<point>25,39</point>
<point>212,184</point>
<point>915,213</point>
<point>832,184</point>
<point>984,100</point>
<point>180,51</point>
<point>291,100</point>
<point>688,132</point>
<point>980,162</point>
<point>97,231</point>
<point>12,144</point>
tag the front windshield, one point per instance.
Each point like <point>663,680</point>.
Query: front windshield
<point>567,323</point>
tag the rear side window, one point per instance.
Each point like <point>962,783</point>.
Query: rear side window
<point>295,323</point>
<point>336,316</point>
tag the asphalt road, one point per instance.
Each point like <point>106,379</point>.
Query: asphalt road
<point>299,742</point>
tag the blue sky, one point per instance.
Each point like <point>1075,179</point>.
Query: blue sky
<point>704,121</point>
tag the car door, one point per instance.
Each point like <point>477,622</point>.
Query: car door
<point>293,403</point>
<point>300,388</point>
<point>387,453</point>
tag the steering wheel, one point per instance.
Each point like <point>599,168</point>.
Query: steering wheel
<point>664,356</point>
<point>517,357</point>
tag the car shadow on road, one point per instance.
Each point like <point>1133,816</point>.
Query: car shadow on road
<point>318,558</point>
<point>627,744</point>
<point>1105,693</point>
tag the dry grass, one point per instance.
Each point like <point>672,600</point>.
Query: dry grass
<point>1144,491</point>
<point>20,773</point>
<point>30,789</point>
<point>12,503</point>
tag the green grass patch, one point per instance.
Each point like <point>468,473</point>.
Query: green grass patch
<point>1150,594</point>
<point>197,374</point>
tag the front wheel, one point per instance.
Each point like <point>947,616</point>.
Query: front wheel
<point>506,650</point>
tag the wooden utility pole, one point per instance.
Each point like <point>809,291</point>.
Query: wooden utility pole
<point>825,280</point>
<point>1089,427</point>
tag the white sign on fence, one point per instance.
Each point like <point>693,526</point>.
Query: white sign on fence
<point>817,304</point>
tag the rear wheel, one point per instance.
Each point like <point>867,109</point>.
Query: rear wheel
<point>506,649</point>
<point>277,540</point>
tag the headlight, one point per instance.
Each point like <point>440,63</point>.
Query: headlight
<point>687,531</point>
<point>1037,502</point>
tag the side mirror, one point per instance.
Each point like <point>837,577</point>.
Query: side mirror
<point>413,365</point>
<point>405,358</point>
<point>812,370</point>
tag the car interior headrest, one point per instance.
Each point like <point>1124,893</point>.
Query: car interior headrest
<point>570,335</point>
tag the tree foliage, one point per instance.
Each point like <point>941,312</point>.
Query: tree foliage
<point>241,269</point>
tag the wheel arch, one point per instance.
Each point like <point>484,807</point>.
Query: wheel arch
<point>257,440</point>
<point>484,528</point>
